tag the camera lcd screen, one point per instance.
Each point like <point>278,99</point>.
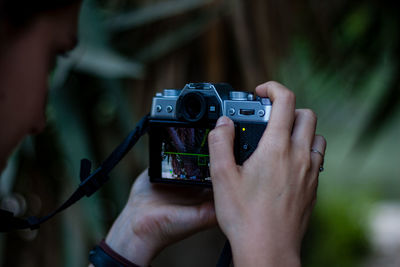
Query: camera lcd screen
<point>184,154</point>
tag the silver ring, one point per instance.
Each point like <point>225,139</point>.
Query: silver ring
<point>316,151</point>
<point>321,167</point>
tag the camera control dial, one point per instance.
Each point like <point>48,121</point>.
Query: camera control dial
<point>238,95</point>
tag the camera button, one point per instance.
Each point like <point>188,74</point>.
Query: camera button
<point>245,147</point>
<point>265,101</point>
<point>231,111</point>
<point>261,113</point>
<point>170,109</point>
<point>212,109</point>
<point>158,108</point>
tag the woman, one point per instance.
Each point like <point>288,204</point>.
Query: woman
<point>263,206</point>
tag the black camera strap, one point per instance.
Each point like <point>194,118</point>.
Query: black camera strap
<point>90,182</point>
<point>225,258</point>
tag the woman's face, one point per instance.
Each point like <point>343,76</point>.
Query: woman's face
<point>25,62</point>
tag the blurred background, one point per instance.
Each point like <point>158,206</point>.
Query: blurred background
<point>341,58</point>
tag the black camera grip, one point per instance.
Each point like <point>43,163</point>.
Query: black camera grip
<point>248,134</point>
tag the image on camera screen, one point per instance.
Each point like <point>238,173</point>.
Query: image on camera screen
<point>184,154</point>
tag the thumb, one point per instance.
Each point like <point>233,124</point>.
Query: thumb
<point>220,142</point>
<point>183,221</point>
<point>198,217</point>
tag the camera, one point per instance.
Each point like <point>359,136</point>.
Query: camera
<point>180,121</point>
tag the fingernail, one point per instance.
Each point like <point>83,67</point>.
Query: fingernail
<point>222,121</point>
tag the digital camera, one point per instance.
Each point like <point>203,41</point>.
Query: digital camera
<point>180,121</point>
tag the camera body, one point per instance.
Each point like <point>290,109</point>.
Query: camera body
<point>180,121</point>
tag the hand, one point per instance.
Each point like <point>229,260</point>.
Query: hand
<point>158,215</point>
<point>264,206</point>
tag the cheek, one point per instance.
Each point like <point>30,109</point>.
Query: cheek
<point>30,82</point>
<point>22,99</point>
<point>24,70</point>
<point>38,91</point>
<point>35,92</point>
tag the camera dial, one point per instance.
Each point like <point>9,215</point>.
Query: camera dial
<point>238,95</point>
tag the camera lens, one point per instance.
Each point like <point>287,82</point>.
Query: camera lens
<point>193,107</point>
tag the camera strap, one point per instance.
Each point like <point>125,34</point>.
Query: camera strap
<point>90,182</point>
<point>225,258</point>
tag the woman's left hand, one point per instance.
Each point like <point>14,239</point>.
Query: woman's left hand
<point>158,215</point>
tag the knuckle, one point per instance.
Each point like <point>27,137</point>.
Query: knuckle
<point>272,84</point>
<point>323,141</point>
<point>275,84</point>
<point>220,169</point>
<point>275,144</point>
<point>261,86</point>
<point>310,114</point>
<point>304,160</point>
<point>206,215</point>
<point>287,96</point>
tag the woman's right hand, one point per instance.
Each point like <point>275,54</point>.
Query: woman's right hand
<point>264,206</point>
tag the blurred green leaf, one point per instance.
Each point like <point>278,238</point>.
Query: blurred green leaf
<point>167,42</point>
<point>107,64</point>
<point>357,23</point>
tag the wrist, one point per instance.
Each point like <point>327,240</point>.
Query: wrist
<point>124,241</point>
<point>102,255</point>
<point>264,250</point>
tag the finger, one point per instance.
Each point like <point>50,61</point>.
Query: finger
<point>188,195</point>
<point>283,107</point>
<point>317,160</point>
<point>175,222</point>
<point>141,183</point>
<point>199,217</point>
<point>304,128</point>
<point>220,142</point>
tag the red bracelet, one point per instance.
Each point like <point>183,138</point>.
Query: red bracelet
<point>115,255</point>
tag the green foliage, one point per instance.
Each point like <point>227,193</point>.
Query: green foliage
<point>337,233</point>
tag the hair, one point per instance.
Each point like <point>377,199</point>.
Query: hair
<point>19,12</point>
